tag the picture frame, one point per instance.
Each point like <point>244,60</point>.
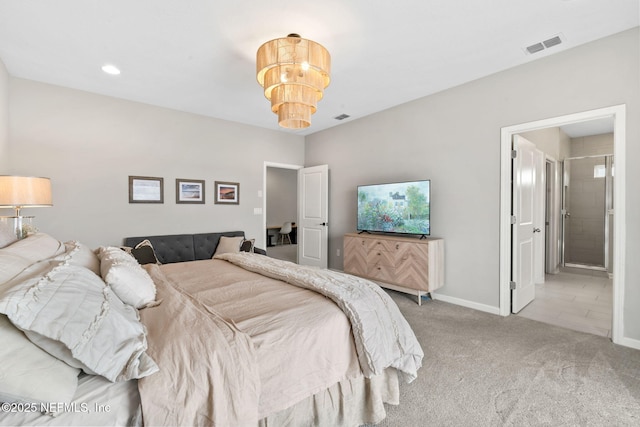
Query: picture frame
<point>190,191</point>
<point>227,193</point>
<point>146,189</point>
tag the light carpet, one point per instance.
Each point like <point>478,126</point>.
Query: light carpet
<point>481,369</point>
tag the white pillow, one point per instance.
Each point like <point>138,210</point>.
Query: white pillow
<point>69,312</point>
<point>229,245</point>
<point>82,256</point>
<point>22,253</point>
<point>131,283</point>
<point>30,374</point>
<point>36,247</point>
<point>11,265</point>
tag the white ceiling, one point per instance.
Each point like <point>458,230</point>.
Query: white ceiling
<point>198,56</point>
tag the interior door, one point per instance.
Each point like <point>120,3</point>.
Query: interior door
<point>313,216</point>
<point>523,247</point>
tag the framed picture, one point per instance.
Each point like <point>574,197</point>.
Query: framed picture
<point>189,191</point>
<point>146,189</point>
<point>227,193</point>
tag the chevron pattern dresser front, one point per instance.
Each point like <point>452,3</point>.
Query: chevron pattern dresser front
<point>406,264</point>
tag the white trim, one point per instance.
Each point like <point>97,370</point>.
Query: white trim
<point>618,112</point>
<point>264,195</point>
<point>466,303</point>
<point>630,342</point>
<point>554,221</point>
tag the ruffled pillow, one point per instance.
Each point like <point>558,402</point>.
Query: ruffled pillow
<point>22,253</point>
<point>144,253</point>
<point>131,283</point>
<point>247,245</point>
<point>69,312</point>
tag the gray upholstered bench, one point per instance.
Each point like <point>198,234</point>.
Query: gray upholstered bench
<point>185,247</point>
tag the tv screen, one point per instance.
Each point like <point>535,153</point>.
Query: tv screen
<point>400,207</point>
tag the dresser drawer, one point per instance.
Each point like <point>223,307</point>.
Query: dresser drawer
<point>383,273</point>
<point>378,256</point>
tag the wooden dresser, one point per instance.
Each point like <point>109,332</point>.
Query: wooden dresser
<point>405,264</point>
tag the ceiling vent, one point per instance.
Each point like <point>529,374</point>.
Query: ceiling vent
<point>342,117</point>
<point>538,47</point>
<point>553,41</point>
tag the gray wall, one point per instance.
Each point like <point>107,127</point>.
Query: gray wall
<point>593,145</point>
<point>552,141</point>
<point>89,144</point>
<point>4,120</point>
<point>453,138</point>
<point>282,195</point>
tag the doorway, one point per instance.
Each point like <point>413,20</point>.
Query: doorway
<point>617,113</point>
<point>281,206</point>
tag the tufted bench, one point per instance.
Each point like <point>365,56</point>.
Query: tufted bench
<point>185,247</point>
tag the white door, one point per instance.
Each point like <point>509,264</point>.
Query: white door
<point>523,247</point>
<point>313,216</point>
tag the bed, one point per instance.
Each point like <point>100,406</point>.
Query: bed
<point>230,337</point>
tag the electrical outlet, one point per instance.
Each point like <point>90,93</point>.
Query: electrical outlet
<point>337,252</point>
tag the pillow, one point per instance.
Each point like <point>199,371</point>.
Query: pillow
<point>80,255</point>
<point>36,247</point>
<point>144,253</point>
<point>30,374</point>
<point>22,253</point>
<point>7,235</point>
<point>247,245</point>
<point>130,282</point>
<point>11,265</point>
<point>228,244</point>
<point>70,313</point>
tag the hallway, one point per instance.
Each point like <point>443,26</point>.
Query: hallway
<point>576,299</point>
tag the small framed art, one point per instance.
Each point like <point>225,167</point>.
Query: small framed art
<point>146,189</point>
<point>189,191</point>
<point>227,193</point>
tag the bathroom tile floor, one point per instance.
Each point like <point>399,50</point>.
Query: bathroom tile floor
<point>574,299</point>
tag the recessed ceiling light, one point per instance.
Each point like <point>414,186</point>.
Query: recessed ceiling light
<point>111,69</point>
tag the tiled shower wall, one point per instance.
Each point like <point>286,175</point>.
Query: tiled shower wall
<point>584,238</point>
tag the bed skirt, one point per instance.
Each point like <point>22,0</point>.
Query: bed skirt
<point>351,402</point>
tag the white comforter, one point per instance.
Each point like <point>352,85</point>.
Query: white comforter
<point>382,335</point>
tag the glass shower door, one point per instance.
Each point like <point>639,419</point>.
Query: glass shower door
<point>587,199</point>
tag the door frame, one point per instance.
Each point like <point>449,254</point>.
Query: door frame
<point>265,195</point>
<point>618,113</point>
<point>553,230</point>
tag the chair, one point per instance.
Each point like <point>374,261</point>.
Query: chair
<point>285,231</point>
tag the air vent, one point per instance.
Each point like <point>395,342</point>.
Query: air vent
<point>535,48</point>
<point>552,42</point>
<point>538,47</point>
<point>342,117</point>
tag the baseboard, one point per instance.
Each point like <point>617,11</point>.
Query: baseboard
<point>466,303</point>
<point>629,342</point>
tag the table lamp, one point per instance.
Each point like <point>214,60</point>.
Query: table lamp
<point>19,192</point>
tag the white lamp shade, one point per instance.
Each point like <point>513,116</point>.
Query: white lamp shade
<point>24,191</point>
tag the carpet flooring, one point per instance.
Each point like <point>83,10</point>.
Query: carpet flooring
<point>481,369</point>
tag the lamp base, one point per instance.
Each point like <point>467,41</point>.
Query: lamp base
<point>22,226</point>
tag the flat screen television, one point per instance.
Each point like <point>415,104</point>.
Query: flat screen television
<point>398,207</point>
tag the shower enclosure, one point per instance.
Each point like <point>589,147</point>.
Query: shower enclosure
<point>588,212</point>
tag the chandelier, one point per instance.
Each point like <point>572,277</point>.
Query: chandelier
<point>294,73</point>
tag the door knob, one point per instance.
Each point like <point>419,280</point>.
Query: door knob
<point>536,230</point>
